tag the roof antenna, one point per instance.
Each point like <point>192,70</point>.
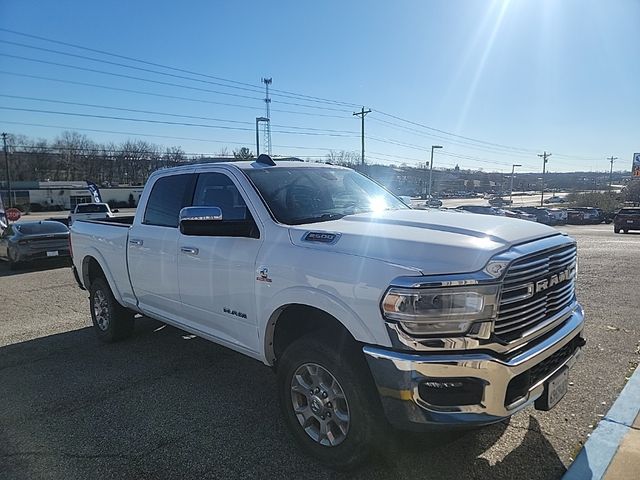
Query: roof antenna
<point>265,159</point>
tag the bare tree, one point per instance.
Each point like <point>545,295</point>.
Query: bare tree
<point>243,154</point>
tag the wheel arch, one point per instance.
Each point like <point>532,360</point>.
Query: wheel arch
<point>93,266</point>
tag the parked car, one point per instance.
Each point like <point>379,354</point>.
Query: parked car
<point>31,241</point>
<point>543,215</point>
<point>626,219</point>
<point>575,217</point>
<point>521,214</point>
<point>369,312</point>
<point>555,199</point>
<point>481,209</point>
<point>558,216</point>
<point>90,211</point>
<point>433,203</point>
<point>590,215</point>
<point>499,201</point>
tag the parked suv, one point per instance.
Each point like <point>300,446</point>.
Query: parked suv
<point>627,219</point>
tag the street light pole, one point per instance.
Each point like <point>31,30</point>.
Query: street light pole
<point>513,170</point>
<point>258,120</point>
<point>431,169</point>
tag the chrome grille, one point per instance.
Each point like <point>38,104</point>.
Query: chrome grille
<point>521,308</point>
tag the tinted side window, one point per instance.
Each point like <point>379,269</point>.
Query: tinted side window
<point>168,196</point>
<point>217,190</point>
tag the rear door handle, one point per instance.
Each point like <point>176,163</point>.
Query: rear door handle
<point>189,250</point>
<point>135,241</point>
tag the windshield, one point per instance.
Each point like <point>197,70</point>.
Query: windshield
<point>629,211</point>
<point>39,228</point>
<point>300,195</point>
<point>91,208</point>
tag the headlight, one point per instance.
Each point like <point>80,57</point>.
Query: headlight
<point>448,310</point>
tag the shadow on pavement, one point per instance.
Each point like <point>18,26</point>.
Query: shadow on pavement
<point>37,266</point>
<point>165,404</point>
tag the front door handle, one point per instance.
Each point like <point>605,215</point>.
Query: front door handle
<point>189,250</point>
<point>135,241</point>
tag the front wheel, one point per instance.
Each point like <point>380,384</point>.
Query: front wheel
<point>329,401</point>
<point>111,320</point>
<point>616,230</point>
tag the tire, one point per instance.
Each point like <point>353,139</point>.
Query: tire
<point>616,230</point>
<point>111,320</point>
<point>625,231</point>
<point>360,405</point>
<point>13,264</point>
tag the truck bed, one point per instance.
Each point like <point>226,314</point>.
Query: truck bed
<point>106,241</point>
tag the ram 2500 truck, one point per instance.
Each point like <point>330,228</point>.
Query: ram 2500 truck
<point>371,313</point>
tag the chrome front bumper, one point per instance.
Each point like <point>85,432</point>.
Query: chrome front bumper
<point>398,376</point>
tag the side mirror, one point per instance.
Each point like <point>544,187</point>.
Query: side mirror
<point>208,222</point>
<point>199,220</point>
<point>115,210</point>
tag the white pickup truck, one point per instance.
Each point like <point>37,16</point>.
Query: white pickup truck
<point>90,211</point>
<point>371,313</point>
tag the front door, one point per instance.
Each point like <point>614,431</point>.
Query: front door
<point>218,273</point>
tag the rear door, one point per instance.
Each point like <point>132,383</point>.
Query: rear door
<point>153,246</point>
<point>218,273</point>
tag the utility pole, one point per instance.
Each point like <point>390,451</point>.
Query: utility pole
<point>513,172</point>
<point>362,113</point>
<point>6,161</point>
<point>544,157</point>
<point>611,159</point>
<point>431,170</point>
<point>267,126</point>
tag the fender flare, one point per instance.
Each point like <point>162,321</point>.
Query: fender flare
<point>94,254</point>
<point>315,298</point>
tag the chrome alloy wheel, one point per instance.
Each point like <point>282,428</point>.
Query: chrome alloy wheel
<point>101,310</point>
<point>320,405</point>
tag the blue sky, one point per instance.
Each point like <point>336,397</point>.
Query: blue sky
<point>530,74</point>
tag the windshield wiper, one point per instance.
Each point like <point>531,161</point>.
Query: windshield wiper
<point>325,217</point>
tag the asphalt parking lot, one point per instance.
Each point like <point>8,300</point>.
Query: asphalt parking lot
<point>164,404</point>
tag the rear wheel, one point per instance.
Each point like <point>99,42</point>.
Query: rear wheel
<point>14,264</point>
<point>111,320</point>
<point>329,401</point>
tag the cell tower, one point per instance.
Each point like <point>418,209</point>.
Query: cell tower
<point>267,124</point>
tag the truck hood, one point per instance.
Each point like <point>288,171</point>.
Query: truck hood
<point>432,241</point>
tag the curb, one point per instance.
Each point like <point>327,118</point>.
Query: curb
<point>598,452</point>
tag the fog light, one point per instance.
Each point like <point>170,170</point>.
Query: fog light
<point>451,392</point>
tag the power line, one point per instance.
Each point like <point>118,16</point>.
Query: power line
<point>145,62</point>
<point>238,85</point>
<point>161,95</point>
<point>159,82</point>
<point>170,137</point>
<point>177,115</point>
<point>149,70</point>
<point>163,122</point>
